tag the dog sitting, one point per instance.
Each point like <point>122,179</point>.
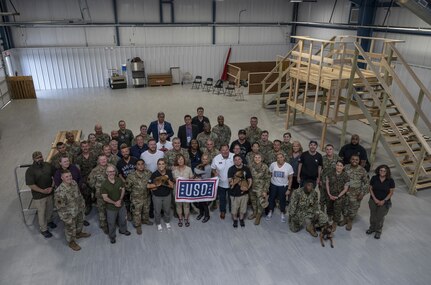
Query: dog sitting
<point>326,233</point>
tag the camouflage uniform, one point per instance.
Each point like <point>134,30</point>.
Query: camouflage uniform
<point>55,160</point>
<point>304,208</point>
<point>103,138</point>
<point>287,148</point>
<point>358,186</point>
<point>211,154</point>
<point>139,196</point>
<point>337,183</point>
<point>113,159</point>
<point>261,178</point>
<point>265,148</point>
<point>96,149</point>
<point>85,166</point>
<point>328,166</point>
<point>203,137</point>
<point>224,134</point>
<point>250,157</point>
<point>271,156</point>
<point>95,180</point>
<point>70,207</point>
<point>74,148</point>
<point>170,156</point>
<point>253,135</point>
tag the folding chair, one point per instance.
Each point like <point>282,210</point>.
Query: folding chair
<point>230,89</point>
<point>208,85</point>
<point>197,83</point>
<point>218,87</point>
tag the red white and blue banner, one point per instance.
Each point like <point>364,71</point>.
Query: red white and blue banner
<point>199,190</point>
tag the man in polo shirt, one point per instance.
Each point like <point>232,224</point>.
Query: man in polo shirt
<point>112,191</point>
<point>220,167</point>
<point>39,178</point>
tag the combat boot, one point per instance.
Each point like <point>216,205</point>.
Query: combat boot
<point>257,221</point>
<point>349,225</point>
<point>311,230</point>
<point>252,216</point>
<point>139,230</point>
<point>74,246</point>
<point>342,222</point>
<point>83,235</point>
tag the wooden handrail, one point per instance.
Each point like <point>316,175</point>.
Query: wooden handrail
<point>275,69</point>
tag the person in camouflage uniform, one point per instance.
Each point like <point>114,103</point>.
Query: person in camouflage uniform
<point>207,134</point>
<point>286,145</point>
<point>261,178</point>
<point>250,156</point>
<point>304,208</point>
<point>101,137</point>
<point>265,145</point>
<point>337,184</point>
<point>61,152</point>
<point>70,207</point>
<point>358,187</point>
<point>329,161</point>
<point>86,161</point>
<point>222,131</point>
<point>252,131</point>
<point>95,146</point>
<point>170,155</point>
<point>139,195</point>
<point>73,147</point>
<point>272,154</point>
<point>95,180</point>
<point>210,150</point>
<point>113,157</point>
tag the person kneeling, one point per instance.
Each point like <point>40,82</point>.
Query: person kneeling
<point>304,209</point>
<point>70,207</point>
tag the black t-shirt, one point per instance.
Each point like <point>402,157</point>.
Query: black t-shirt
<point>310,165</point>
<point>200,124</point>
<point>244,173</point>
<point>126,168</point>
<point>348,150</point>
<point>41,176</point>
<point>162,190</point>
<point>245,147</point>
<point>381,189</point>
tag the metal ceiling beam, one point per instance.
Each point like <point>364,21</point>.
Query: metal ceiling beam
<point>117,29</point>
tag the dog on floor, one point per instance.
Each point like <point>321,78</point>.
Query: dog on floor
<point>326,233</point>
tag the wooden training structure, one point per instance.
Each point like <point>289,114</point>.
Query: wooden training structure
<point>253,72</point>
<point>21,87</point>
<point>337,80</point>
<point>61,137</point>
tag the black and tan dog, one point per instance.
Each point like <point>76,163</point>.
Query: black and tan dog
<point>326,233</point>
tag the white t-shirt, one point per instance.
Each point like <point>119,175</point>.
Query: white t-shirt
<point>167,145</point>
<point>222,166</point>
<point>151,159</point>
<point>280,175</point>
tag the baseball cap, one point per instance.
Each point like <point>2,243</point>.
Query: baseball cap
<point>242,131</point>
<point>36,154</point>
<point>163,131</point>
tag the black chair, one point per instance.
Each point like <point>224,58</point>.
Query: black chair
<point>230,89</point>
<point>218,87</point>
<point>208,84</point>
<point>197,83</point>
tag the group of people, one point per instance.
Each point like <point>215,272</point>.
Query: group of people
<point>133,178</point>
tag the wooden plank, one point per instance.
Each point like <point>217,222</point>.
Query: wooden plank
<point>21,87</point>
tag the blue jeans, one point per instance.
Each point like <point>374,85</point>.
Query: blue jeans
<point>280,193</point>
<point>223,194</point>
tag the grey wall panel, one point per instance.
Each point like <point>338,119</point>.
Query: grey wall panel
<point>399,16</point>
<point>192,11</point>
<point>322,33</point>
<point>321,10</point>
<point>73,67</point>
<point>138,11</point>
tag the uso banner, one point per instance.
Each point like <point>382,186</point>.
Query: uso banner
<point>188,190</point>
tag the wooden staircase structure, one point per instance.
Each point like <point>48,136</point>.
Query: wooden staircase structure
<point>342,82</point>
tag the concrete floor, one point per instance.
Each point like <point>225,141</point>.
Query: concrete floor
<point>212,253</point>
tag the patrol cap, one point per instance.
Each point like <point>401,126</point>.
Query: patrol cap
<point>242,131</point>
<point>36,154</point>
<point>163,131</point>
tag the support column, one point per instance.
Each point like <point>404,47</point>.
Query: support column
<point>117,29</point>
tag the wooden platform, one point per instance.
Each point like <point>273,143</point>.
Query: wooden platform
<point>61,137</point>
<point>21,87</point>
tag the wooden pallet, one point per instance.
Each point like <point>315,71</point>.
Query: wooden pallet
<point>61,137</point>
<point>21,87</point>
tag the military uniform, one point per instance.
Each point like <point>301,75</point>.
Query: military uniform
<point>265,148</point>
<point>85,166</point>
<point>211,154</point>
<point>224,134</point>
<point>337,183</point>
<point>203,137</point>
<point>271,156</point>
<point>327,167</point>
<point>250,157</point>
<point>253,135</point>
<point>96,149</point>
<point>170,156</point>
<point>358,187</point>
<point>70,207</point>
<point>95,179</point>
<point>139,196</point>
<point>261,179</point>
<point>74,148</point>
<point>304,208</point>
<point>113,159</point>
<point>103,138</point>
<point>55,160</point>
<point>287,149</point>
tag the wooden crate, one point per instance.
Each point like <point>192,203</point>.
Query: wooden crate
<point>160,79</point>
<point>21,87</point>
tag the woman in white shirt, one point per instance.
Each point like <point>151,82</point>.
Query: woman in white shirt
<point>181,170</point>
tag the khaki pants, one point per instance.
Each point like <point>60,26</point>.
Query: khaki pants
<point>44,208</point>
<point>377,216</point>
<point>239,204</point>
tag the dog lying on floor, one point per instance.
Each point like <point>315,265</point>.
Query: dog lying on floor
<point>326,233</point>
